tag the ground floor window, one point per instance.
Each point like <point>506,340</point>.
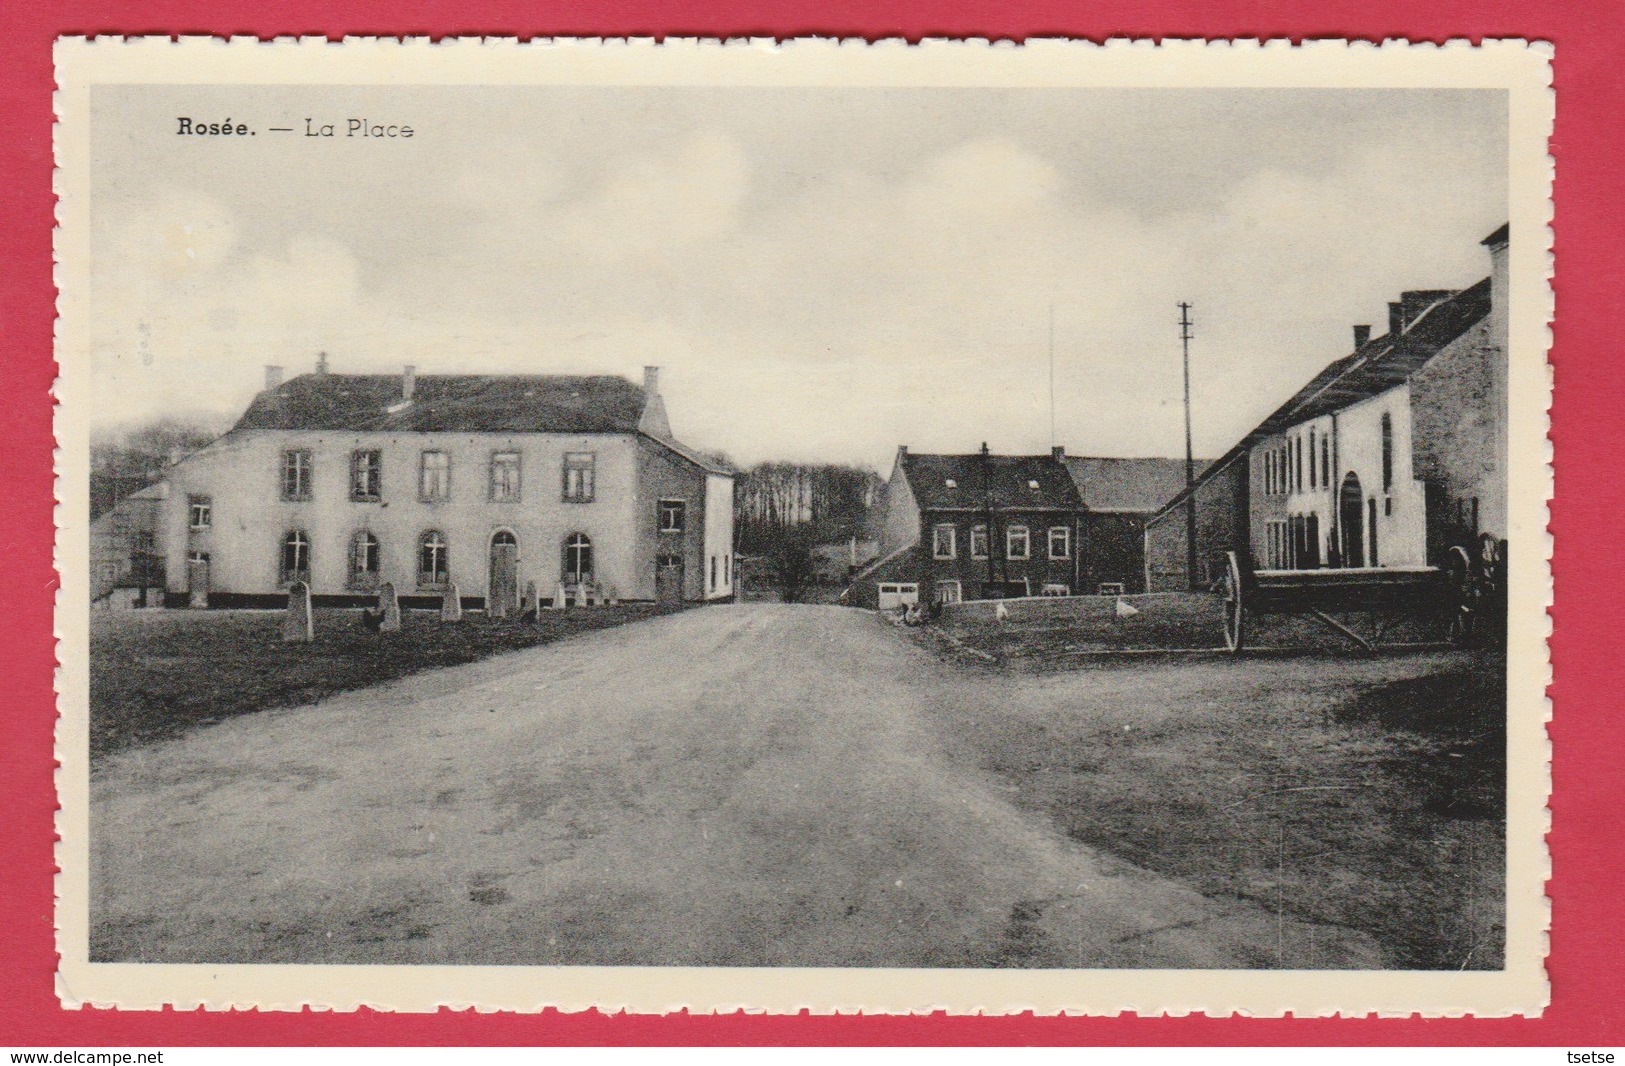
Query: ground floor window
<point>295,557</point>
<point>363,560</point>
<point>577,558</point>
<point>1018,545</point>
<point>434,559</point>
<point>1060,543</point>
<point>949,592</point>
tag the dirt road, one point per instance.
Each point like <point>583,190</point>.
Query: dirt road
<point>750,785</point>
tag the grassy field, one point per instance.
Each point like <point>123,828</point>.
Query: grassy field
<point>157,674</point>
<point>1363,791</point>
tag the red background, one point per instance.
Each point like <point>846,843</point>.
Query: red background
<point>1588,732</point>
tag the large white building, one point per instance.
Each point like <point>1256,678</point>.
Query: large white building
<point>486,482</point>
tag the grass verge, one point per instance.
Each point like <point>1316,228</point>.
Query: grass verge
<point>1361,792</point>
<point>157,674</point>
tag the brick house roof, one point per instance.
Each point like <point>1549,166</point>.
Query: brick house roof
<point>1138,485</point>
<point>977,481</point>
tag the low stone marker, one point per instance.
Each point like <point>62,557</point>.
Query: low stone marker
<point>559,602</point>
<point>612,595</point>
<point>531,604</point>
<point>298,625</point>
<point>581,594</point>
<point>389,605</point>
<point>451,605</point>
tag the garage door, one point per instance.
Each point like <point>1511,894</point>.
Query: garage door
<point>896,595</point>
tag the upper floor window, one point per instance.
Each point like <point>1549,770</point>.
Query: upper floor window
<point>672,516</point>
<point>434,477</point>
<point>942,543</point>
<point>1018,545</point>
<point>366,474</point>
<point>434,558</point>
<point>296,474</point>
<point>1387,452</point>
<point>295,561</point>
<point>200,512</point>
<point>505,476</point>
<point>579,479</point>
<point>1060,542</point>
<point>978,542</point>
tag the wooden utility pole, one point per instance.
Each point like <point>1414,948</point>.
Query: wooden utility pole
<point>1190,455</point>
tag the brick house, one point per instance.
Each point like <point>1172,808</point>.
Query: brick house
<point>485,482</point>
<point>1390,456</point>
<point>985,526</point>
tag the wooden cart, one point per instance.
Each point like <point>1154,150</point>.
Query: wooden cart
<point>1378,596</point>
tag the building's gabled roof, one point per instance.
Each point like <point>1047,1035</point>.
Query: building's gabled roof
<point>1002,482</point>
<point>473,403</point>
<point>1370,370</point>
<point>1138,485</point>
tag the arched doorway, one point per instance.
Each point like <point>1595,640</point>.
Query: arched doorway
<point>502,596</point>
<point>1351,520</point>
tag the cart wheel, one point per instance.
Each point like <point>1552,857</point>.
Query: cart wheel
<point>1235,613</point>
<point>1459,592</point>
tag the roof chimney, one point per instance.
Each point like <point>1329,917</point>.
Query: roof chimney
<point>409,383</point>
<point>653,421</point>
<point>273,376</point>
<point>984,448</point>
<point>1396,318</point>
<point>321,363</point>
<point>902,449</point>
<point>1362,334</point>
<point>1057,451</point>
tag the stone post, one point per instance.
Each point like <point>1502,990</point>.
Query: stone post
<point>531,605</point>
<point>298,625</point>
<point>559,602</point>
<point>451,604</point>
<point>581,594</point>
<point>389,605</point>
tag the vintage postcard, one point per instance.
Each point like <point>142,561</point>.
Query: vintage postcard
<point>822,526</point>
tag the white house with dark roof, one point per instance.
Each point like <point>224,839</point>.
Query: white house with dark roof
<point>1389,457</point>
<point>486,482</point>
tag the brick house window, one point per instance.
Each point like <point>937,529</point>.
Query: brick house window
<point>1312,458</point>
<point>200,513</point>
<point>434,559</point>
<point>1326,461</point>
<point>366,475</point>
<point>364,557</point>
<point>295,557</point>
<point>673,515</point>
<point>434,477</point>
<point>1060,542</point>
<point>1017,543</point>
<point>942,543</point>
<point>713,573</point>
<point>978,542</point>
<point>504,476</point>
<point>579,477</point>
<point>296,474</point>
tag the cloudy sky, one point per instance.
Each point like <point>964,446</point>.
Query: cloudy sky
<point>823,274</point>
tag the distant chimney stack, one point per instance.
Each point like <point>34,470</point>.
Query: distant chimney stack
<point>1362,334</point>
<point>321,363</point>
<point>273,376</point>
<point>409,382</point>
<point>985,452</point>
<point>653,421</point>
<point>1396,318</point>
<point>1058,451</point>
<point>902,449</point>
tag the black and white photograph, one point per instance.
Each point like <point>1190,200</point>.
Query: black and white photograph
<point>613,525</point>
